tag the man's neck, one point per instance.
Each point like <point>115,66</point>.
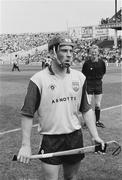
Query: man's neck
<point>95,59</point>
<point>58,70</point>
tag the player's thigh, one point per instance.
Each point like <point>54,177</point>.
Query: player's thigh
<point>90,96</point>
<point>50,172</point>
<point>71,170</point>
<point>98,99</point>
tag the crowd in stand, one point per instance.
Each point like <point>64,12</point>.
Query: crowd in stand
<point>10,43</point>
<point>104,21</point>
<point>110,55</point>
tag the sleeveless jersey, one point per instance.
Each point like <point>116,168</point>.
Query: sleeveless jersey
<point>60,101</point>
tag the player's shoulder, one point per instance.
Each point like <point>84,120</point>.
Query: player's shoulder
<point>39,77</point>
<point>101,59</point>
<point>40,74</point>
<point>77,73</point>
<point>87,61</point>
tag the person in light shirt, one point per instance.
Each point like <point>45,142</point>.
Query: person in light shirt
<point>57,93</point>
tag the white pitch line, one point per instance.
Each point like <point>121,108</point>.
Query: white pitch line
<point>18,129</point>
<point>112,107</point>
<point>14,130</point>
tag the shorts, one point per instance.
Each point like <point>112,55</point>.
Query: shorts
<point>63,142</point>
<point>94,87</point>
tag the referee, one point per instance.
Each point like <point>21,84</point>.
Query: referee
<point>94,69</point>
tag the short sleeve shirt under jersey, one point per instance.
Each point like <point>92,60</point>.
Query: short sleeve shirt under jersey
<point>57,101</point>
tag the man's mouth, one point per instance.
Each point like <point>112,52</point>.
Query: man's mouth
<point>67,63</point>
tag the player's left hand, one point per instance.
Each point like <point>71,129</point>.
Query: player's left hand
<point>97,141</point>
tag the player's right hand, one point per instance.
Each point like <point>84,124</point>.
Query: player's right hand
<point>24,154</point>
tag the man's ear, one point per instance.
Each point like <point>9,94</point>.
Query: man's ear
<point>53,53</point>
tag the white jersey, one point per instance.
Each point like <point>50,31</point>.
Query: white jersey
<point>60,101</point>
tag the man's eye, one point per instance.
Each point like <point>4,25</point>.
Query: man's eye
<point>64,50</point>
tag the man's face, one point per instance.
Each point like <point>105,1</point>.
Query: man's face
<point>94,51</point>
<point>65,55</point>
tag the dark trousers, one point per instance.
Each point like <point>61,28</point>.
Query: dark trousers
<point>15,67</point>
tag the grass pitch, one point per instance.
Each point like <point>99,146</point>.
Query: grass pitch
<point>13,87</point>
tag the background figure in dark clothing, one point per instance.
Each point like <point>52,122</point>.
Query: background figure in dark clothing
<point>46,62</point>
<point>15,63</point>
<point>94,69</point>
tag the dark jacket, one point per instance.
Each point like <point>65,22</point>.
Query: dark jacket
<point>94,70</point>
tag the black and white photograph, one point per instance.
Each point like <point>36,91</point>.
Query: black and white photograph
<point>60,90</point>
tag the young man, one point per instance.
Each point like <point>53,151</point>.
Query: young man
<point>15,63</point>
<point>47,62</point>
<point>57,93</point>
<point>94,70</point>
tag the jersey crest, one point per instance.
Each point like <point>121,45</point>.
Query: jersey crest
<point>75,86</point>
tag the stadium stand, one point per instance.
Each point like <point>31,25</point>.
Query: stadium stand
<point>32,47</point>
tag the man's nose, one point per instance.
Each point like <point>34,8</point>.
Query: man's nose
<point>69,53</point>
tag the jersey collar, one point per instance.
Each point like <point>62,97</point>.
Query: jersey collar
<point>52,72</point>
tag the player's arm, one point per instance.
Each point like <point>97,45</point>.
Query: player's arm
<point>31,104</point>
<point>89,116</point>
<point>104,68</point>
<point>84,69</point>
<point>25,150</point>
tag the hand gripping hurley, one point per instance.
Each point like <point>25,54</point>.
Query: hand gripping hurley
<point>112,147</point>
